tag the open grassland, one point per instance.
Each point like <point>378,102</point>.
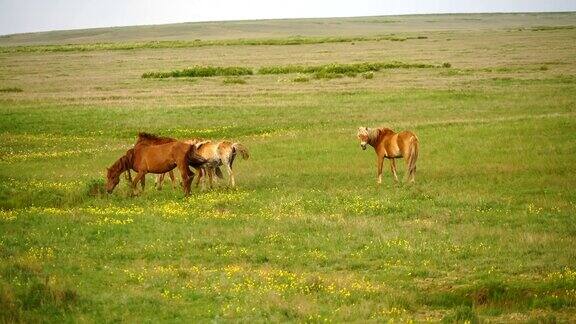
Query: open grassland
<point>487,233</point>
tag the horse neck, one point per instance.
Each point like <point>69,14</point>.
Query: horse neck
<point>124,163</point>
<point>373,136</point>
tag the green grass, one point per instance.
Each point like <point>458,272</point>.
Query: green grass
<point>296,40</point>
<point>486,233</point>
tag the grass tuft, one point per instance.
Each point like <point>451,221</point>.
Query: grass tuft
<point>95,188</point>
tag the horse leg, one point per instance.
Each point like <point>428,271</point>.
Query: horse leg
<point>393,169</point>
<point>172,178</point>
<point>200,172</point>
<point>210,177</point>
<point>159,181</point>
<point>228,166</point>
<point>139,176</point>
<point>186,179</point>
<point>380,163</point>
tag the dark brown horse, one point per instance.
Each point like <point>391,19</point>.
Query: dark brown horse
<point>391,145</point>
<point>161,158</point>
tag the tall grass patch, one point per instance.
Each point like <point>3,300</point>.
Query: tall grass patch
<point>11,89</point>
<point>342,68</point>
<point>201,71</point>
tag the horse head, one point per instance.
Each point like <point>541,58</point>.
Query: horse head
<point>363,136</point>
<point>112,179</point>
<point>124,163</point>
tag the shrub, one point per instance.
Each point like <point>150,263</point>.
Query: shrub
<point>446,65</point>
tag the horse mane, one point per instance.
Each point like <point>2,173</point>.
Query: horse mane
<point>123,163</point>
<point>147,138</point>
<point>194,141</point>
<point>199,144</point>
<point>373,134</point>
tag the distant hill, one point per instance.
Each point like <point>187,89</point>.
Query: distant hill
<point>252,29</point>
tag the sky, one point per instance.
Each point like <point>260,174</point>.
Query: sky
<point>18,16</point>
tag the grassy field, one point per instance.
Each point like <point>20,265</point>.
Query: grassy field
<point>487,233</point>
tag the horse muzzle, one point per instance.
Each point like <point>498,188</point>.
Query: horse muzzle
<point>363,146</point>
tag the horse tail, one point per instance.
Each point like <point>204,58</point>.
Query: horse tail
<point>413,157</point>
<point>219,173</point>
<point>242,150</point>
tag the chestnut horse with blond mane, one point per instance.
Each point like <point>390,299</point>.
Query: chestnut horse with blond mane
<point>391,145</point>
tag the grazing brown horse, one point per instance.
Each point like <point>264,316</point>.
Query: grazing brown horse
<point>158,158</point>
<point>391,145</point>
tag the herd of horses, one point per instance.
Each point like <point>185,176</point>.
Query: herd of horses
<point>161,155</point>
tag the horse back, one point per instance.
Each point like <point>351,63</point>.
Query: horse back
<point>394,144</point>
